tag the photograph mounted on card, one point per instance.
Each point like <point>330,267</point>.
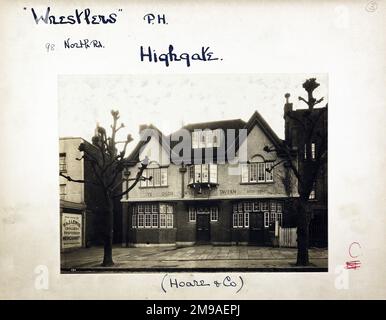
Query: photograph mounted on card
<point>198,173</point>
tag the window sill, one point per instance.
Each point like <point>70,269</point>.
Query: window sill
<point>152,228</point>
<point>153,187</point>
<point>202,184</point>
<point>253,211</point>
<point>257,183</point>
<point>211,147</point>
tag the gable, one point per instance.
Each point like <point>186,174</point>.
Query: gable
<point>255,143</point>
<point>155,151</point>
<point>259,134</point>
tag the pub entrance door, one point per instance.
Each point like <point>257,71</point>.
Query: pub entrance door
<point>256,228</point>
<point>203,228</point>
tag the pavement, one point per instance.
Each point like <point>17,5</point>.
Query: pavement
<point>206,258</point>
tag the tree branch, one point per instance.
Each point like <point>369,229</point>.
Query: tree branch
<point>114,130</point>
<point>77,180</point>
<point>120,127</point>
<point>136,180</point>
<point>304,100</point>
<point>275,165</point>
<point>288,159</point>
<point>319,101</point>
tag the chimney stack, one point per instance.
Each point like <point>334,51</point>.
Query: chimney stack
<point>142,127</point>
<point>287,109</point>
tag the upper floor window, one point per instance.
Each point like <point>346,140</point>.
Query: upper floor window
<point>257,172</point>
<point>313,151</point>
<point>312,195</point>
<point>62,162</point>
<point>159,177</point>
<point>62,191</point>
<point>206,138</point>
<point>203,173</point>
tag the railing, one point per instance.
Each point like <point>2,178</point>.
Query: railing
<point>288,237</point>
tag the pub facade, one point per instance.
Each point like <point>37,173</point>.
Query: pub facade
<point>222,188</point>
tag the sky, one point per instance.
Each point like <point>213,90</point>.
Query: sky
<point>170,101</point>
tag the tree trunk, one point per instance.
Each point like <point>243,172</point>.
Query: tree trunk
<point>303,235</point>
<point>108,238</point>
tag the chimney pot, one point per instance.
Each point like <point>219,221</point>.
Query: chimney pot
<point>287,105</point>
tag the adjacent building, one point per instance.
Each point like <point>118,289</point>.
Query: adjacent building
<point>212,183</point>
<point>295,133</point>
<point>81,204</point>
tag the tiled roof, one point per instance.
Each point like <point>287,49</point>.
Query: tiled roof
<point>223,124</point>
<point>237,124</point>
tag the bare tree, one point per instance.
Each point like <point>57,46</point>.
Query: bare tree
<point>307,163</point>
<point>107,165</point>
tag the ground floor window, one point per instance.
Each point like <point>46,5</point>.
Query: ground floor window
<point>141,219</point>
<point>162,220</point>
<point>271,217</point>
<point>147,220</point>
<point>241,220</point>
<point>272,210</point>
<point>169,221</point>
<point>212,211</point>
<point>214,214</point>
<point>155,215</point>
<point>192,214</point>
<point>154,222</point>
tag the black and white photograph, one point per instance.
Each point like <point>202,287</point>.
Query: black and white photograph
<point>193,173</point>
<point>192,151</point>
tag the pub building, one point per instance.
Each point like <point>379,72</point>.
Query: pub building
<point>225,191</point>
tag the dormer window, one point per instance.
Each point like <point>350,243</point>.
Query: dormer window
<point>206,138</point>
<point>215,140</point>
<point>203,139</point>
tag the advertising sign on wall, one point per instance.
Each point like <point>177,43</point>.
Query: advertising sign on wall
<point>71,230</point>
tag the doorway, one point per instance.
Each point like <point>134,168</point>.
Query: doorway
<point>203,228</point>
<point>256,228</point>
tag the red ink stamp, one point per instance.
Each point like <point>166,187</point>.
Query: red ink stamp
<point>354,252</point>
<point>355,264</point>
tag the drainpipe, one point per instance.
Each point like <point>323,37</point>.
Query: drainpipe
<point>182,171</point>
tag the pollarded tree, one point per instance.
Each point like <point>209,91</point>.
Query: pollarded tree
<point>307,159</point>
<point>107,164</point>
